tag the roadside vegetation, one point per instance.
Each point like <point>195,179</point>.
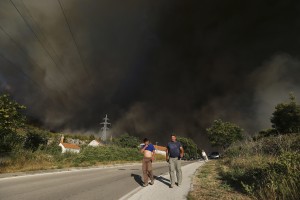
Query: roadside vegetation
<point>52,158</point>
<point>191,152</point>
<point>265,166</point>
<point>24,147</point>
<point>208,184</point>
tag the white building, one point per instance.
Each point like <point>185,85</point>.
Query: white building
<point>95,143</point>
<point>160,150</point>
<point>66,147</point>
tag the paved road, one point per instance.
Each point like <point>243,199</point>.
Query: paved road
<point>87,184</point>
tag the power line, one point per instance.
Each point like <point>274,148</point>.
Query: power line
<point>73,38</point>
<point>32,62</point>
<point>36,36</point>
<point>23,73</point>
<point>48,44</point>
<point>85,68</point>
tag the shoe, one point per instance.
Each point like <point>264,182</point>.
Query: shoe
<point>145,185</point>
<point>171,186</point>
<point>151,183</point>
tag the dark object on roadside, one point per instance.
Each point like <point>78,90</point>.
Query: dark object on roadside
<point>214,155</point>
<point>192,158</point>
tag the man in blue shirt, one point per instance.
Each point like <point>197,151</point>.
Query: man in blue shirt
<point>173,156</point>
<point>149,151</point>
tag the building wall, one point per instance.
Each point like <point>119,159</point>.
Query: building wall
<point>64,150</point>
<point>73,150</point>
<point>160,152</point>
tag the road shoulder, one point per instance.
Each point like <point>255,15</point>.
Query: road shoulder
<point>161,190</point>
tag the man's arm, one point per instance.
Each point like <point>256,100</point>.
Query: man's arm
<point>181,152</point>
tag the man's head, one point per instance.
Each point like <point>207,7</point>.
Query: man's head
<point>173,138</point>
<point>146,141</point>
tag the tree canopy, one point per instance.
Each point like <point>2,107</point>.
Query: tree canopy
<point>223,134</point>
<point>286,117</point>
<point>11,119</point>
<point>126,140</point>
<point>189,146</point>
<point>34,139</point>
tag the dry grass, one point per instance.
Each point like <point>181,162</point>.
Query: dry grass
<point>23,160</point>
<point>27,162</point>
<point>265,168</point>
<point>8,167</point>
<point>207,185</point>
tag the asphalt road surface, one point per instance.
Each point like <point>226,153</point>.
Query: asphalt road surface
<point>87,184</point>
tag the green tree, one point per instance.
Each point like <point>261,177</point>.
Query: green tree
<point>189,146</point>
<point>286,117</point>
<point>11,119</point>
<point>223,134</point>
<point>9,140</point>
<point>34,139</point>
<point>126,140</point>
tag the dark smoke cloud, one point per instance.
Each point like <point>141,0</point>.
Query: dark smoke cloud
<point>155,67</point>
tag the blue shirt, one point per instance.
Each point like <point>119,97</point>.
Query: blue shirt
<point>150,147</point>
<point>174,149</point>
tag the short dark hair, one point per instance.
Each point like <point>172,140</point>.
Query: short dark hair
<point>173,135</point>
<point>146,140</point>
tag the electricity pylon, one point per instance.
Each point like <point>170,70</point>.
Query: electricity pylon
<point>104,128</point>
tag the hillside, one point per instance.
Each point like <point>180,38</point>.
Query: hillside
<point>261,168</point>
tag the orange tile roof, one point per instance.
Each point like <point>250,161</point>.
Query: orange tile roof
<point>161,148</point>
<point>70,146</point>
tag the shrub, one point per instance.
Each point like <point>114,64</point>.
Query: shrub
<point>286,117</point>
<point>223,134</point>
<point>189,146</point>
<point>126,141</point>
<point>107,154</point>
<point>267,168</point>
<point>277,180</point>
<point>34,140</point>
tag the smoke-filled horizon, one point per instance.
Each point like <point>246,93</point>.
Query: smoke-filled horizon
<point>155,67</point>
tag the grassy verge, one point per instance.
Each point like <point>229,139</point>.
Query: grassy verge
<point>208,185</point>
<point>267,168</point>
<point>42,159</point>
<point>264,168</point>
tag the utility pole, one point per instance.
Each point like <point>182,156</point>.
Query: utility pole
<point>104,128</point>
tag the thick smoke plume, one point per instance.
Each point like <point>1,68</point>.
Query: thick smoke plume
<point>154,67</point>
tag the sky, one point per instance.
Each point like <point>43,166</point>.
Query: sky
<point>155,67</point>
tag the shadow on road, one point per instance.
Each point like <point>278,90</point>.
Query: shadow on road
<point>137,179</point>
<point>163,180</point>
